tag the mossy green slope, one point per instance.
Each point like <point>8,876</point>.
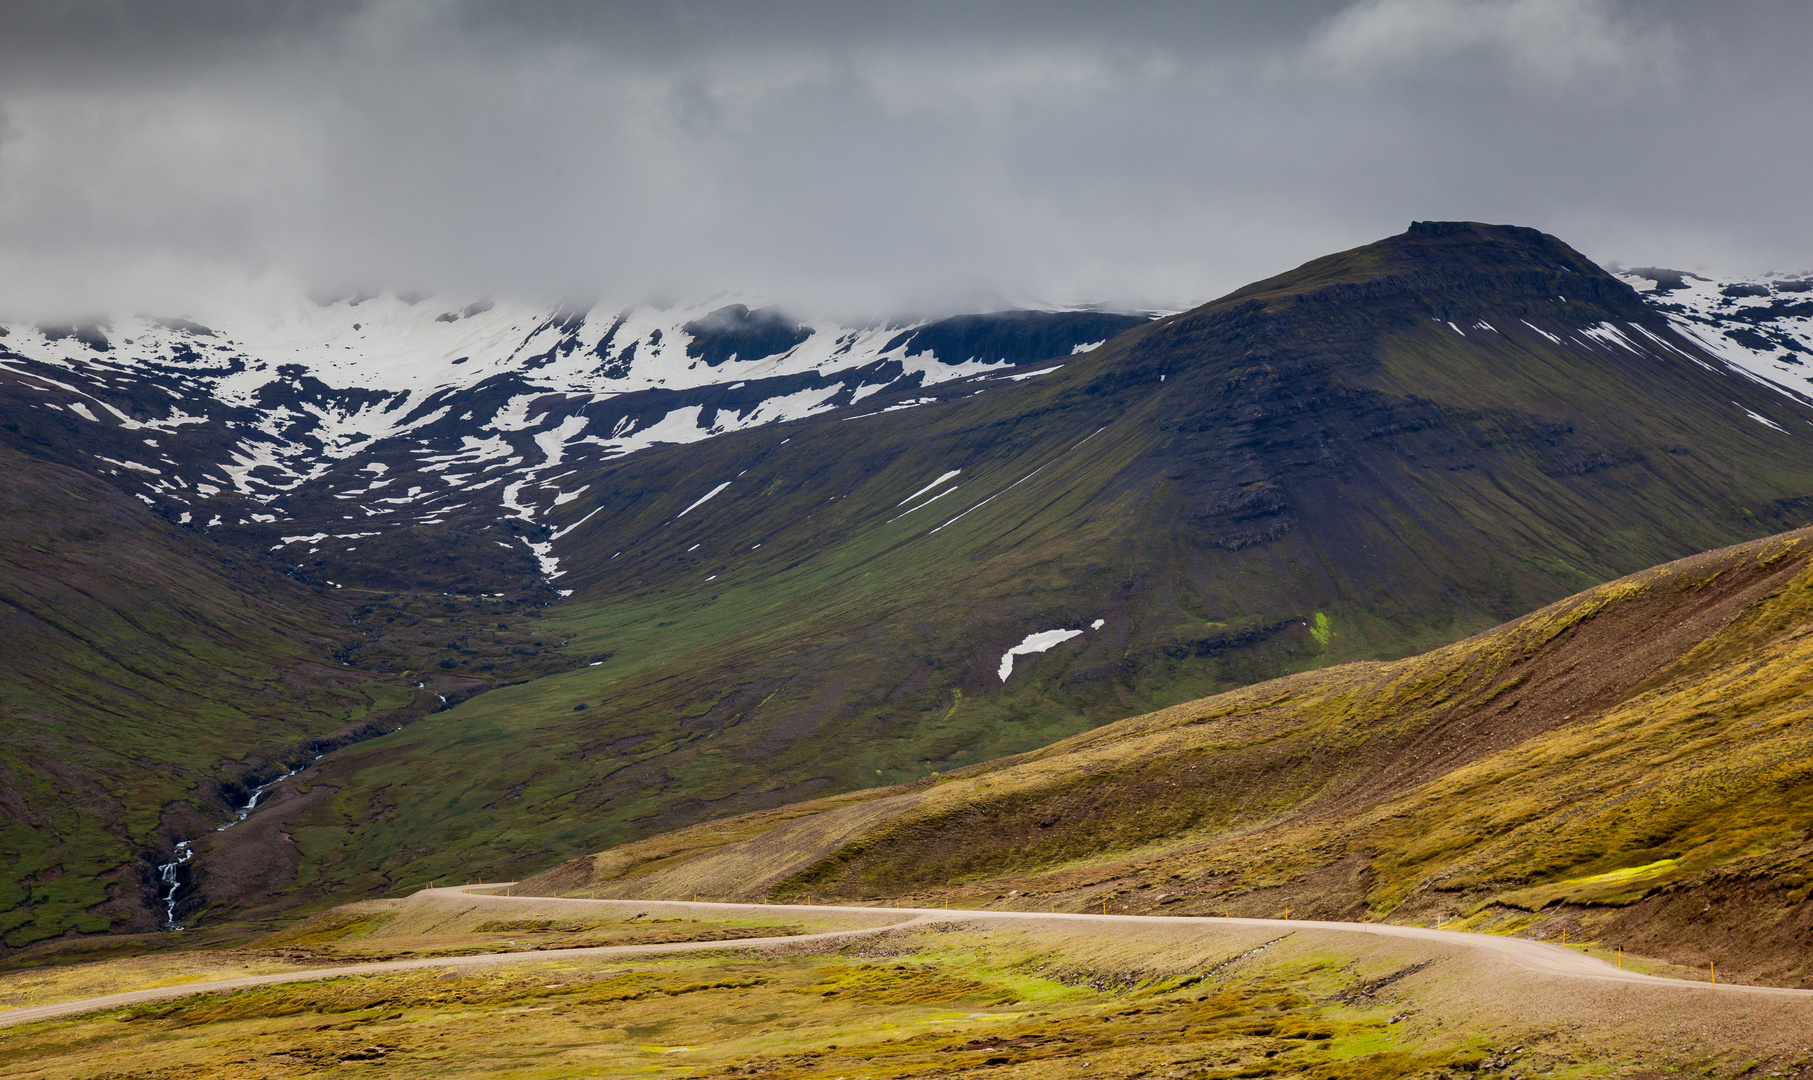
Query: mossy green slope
<point>1633,744</point>
<point>143,676</point>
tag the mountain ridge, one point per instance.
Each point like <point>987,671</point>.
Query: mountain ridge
<point>279,421</point>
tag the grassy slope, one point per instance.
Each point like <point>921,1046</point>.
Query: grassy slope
<point>1619,759</point>
<point>141,675</point>
<point>1326,471</point>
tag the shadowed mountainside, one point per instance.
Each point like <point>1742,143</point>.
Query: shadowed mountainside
<point>1633,763</point>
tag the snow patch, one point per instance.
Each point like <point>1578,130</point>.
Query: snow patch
<point>1606,333</point>
<point>1763,420</point>
<point>1033,643</point>
<point>923,505</point>
<point>928,487</point>
<point>702,499</point>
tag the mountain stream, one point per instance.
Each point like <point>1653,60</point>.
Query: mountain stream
<point>170,873</point>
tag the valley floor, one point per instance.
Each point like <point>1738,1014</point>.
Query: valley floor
<point>882,992</point>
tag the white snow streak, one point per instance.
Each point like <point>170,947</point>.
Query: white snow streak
<point>703,498</point>
<point>1763,420</point>
<point>922,505</point>
<point>928,487</point>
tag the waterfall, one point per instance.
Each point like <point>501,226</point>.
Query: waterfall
<point>169,873</point>
<point>166,873</point>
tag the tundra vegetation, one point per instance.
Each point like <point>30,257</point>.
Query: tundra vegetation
<point>970,998</point>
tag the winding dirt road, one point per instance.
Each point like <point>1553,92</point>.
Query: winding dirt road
<point>1534,956</point>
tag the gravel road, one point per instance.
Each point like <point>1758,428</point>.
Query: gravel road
<point>1535,956</point>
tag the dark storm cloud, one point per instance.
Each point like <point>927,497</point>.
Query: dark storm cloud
<point>870,158</point>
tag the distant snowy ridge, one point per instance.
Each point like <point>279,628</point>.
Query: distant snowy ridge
<point>390,411</point>
<point>1761,327</point>
<point>299,423</point>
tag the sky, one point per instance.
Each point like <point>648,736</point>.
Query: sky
<point>867,159</point>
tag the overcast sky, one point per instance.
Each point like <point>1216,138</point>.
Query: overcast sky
<point>880,158</point>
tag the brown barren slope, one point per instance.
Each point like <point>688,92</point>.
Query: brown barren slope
<point>1634,762</point>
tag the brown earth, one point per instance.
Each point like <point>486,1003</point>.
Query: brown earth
<point>1635,762</point>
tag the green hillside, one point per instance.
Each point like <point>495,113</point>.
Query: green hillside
<point>149,677</point>
<point>1633,764</point>
<point>143,679</point>
<point>1383,451</point>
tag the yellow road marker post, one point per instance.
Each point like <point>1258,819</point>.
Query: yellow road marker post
<point>1620,958</point>
<point>1715,972</point>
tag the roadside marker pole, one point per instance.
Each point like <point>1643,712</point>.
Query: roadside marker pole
<point>1715,972</point>
<point>1620,958</point>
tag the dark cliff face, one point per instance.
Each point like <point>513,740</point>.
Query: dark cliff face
<point>1338,310</point>
<point>1018,337</point>
<point>736,333</point>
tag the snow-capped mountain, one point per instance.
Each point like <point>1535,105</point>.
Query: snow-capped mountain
<point>300,422</point>
<point>353,418</point>
<point>1761,327</point>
